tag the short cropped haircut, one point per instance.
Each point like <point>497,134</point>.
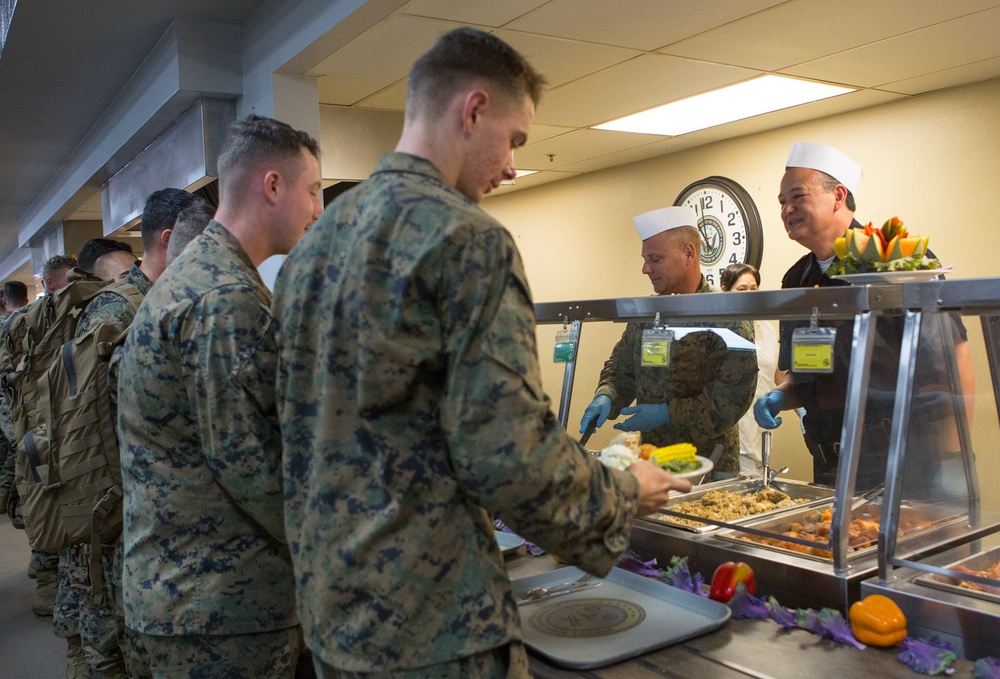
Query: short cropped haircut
<point>160,213</point>
<point>468,55</point>
<point>255,140</point>
<point>680,236</point>
<point>15,292</point>
<point>56,263</point>
<point>733,272</point>
<point>95,248</point>
<point>829,183</point>
<point>190,223</point>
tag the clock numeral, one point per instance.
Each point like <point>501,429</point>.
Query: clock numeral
<point>732,219</point>
<point>706,203</point>
<point>737,238</point>
<point>733,260</point>
<point>710,278</point>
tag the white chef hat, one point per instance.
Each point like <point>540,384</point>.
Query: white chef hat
<point>649,224</point>
<point>826,159</point>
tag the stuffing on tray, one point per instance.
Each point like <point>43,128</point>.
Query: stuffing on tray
<point>724,505</point>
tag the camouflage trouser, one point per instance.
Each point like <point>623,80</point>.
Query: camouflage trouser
<point>505,662</point>
<point>77,613</point>
<point>8,456</point>
<point>237,656</point>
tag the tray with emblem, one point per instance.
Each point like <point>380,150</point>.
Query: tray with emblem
<point>626,616</point>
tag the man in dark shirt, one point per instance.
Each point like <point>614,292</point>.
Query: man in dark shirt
<point>817,207</point>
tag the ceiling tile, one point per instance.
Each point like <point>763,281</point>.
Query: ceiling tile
<point>949,77</point>
<point>632,155</point>
<point>392,97</point>
<point>492,14</point>
<point>639,24</point>
<point>533,180</point>
<point>561,60</point>
<point>799,31</point>
<point>633,86</point>
<point>364,66</point>
<point>575,146</point>
<point>541,132</point>
<point>953,43</point>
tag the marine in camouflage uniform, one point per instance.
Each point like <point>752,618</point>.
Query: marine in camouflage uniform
<point>6,447</point>
<point>93,618</point>
<point>707,387</point>
<point>43,566</point>
<point>8,443</point>
<point>201,461</point>
<point>411,409</point>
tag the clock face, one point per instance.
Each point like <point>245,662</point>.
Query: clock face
<point>730,226</point>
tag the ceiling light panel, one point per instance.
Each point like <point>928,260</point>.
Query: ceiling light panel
<point>736,102</point>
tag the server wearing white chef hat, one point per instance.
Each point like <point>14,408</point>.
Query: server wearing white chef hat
<point>701,395</point>
<point>817,207</point>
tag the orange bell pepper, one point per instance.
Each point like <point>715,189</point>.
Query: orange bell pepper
<point>877,621</point>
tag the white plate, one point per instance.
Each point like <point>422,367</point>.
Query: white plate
<point>508,542</point>
<point>875,277</point>
<point>705,468</point>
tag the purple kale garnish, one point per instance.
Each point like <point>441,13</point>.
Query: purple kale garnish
<point>928,657</point>
<point>633,563</point>
<point>746,605</point>
<point>680,577</point>
<point>807,619</point>
<point>834,627</point>
<point>785,617</point>
<point>986,668</point>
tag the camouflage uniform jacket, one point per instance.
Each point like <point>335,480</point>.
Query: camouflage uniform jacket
<point>201,452</point>
<point>412,407</point>
<point>109,307</point>
<point>707,387</point>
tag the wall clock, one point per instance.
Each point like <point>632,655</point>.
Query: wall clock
<point>729,223</point>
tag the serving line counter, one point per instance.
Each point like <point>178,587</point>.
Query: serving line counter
<point>817,552</point>
<point>952,593</point>
<point>739,649</point>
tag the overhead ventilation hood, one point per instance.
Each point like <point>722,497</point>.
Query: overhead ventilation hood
<point>183,157</point>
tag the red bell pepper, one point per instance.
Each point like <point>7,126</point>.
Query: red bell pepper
<point>727,576</point>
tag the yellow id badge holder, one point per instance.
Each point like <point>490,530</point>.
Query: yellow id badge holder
<point>812,347</point>
<point>655,352</point>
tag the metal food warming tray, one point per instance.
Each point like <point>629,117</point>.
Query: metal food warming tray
<point>976,562</point>
<point>797,490</point>
<point>914,521</point>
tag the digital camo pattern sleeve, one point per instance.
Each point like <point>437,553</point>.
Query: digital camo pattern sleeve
<point>233,364</point>
<point>540,481</point>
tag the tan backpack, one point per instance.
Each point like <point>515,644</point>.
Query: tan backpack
<point>68,470</point>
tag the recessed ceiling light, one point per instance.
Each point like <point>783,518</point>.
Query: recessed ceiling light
<point>736,102</point>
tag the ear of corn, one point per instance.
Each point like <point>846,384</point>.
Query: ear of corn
<point>678,451</point>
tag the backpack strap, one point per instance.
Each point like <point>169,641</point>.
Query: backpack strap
<point>123,289</point>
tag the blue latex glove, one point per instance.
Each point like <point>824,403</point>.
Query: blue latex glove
<point>598,409</point>
<point>645,417</point>
<point>767,406</point>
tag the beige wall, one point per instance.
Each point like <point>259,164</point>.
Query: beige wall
<point>933,160</point>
